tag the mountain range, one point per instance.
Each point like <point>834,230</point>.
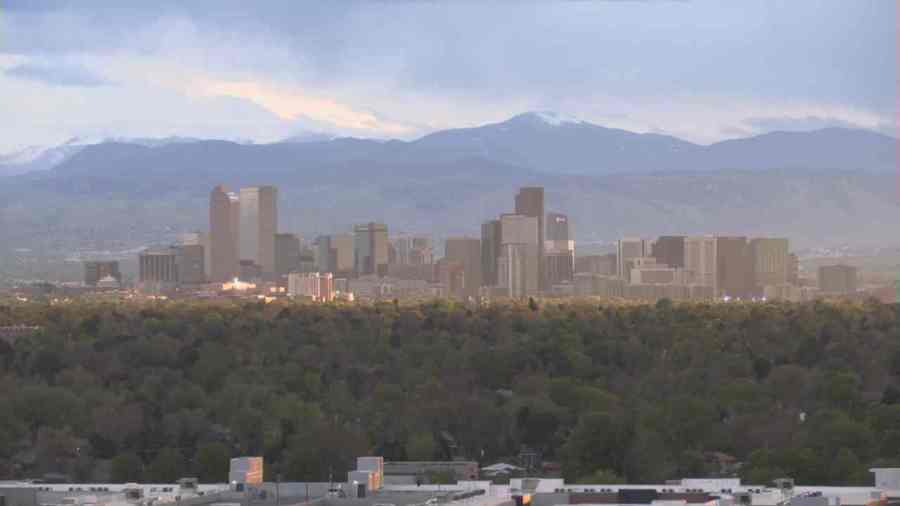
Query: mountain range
<point>820,187</point>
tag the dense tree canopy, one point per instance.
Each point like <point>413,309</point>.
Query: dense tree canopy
<point>637,392</point>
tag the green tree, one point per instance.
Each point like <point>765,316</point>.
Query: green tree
<point>211,462</point>
<point>126,467</point>
<point>166,467</point>
<point>601,476</point>
<point>421,446</point>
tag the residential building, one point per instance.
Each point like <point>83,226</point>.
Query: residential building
<point>96,270</point>
<point>669,250</point>
<point>490,252</point>
<point>519,264</point>
<point>700,261</point>
<point>734,267</point>
<point>837,279</point>
<point>258,226</point>
<point>530,202</point>
<point>223,234</point>
<point>467,252</point>
<point>370,249</point>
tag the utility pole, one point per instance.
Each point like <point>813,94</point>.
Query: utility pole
<point>278,489</point>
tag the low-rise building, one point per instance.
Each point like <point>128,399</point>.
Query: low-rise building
<point>317,286</point>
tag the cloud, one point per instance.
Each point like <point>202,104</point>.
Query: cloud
<point>802,124</point>
<point>701,70</point>
<point>291,105</point>
<point>56,75</point>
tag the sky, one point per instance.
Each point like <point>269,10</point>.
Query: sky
<point>266,70</point>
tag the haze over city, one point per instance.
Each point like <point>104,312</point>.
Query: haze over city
<point>410,253</point>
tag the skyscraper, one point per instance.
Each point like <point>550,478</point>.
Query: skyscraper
<point>770,261</point>
<point>700,260</point>
<point>259,224</point>
<point>530,202</point>
<point>334,253</point>
<point>370,249</point>
<point>559,261</point>
<point>287,254</point>
<point>222,240</point>
<point>734,270</point>
<point>413,249</point>
<point>467,252</point>
<point>558,227</point>
<point>490,251</point>
<point>519,264</point>
<point>669,250</point>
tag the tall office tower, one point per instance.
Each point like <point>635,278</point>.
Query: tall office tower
<point>734,270</point>
<point>519,264</point>
<point>223,242</point>
<point>94,271</point>
<point>770,261</point>
<point>467,252</point>
<point>158,266</point>
<point>669,250</point>
<point>837,279</point>
<point>530,202</point>
<point>559,261</point>
<point>413,249</point>
<point>287,254</point>
<point>700,261</point>
<point>626,251</point>
<point>259,224</point>
<point>558,227</point>
<point>190,260</point>
<point>490,252</point>
<point>334,253</point>
<point>370,249</point>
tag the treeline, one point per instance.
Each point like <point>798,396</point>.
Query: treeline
<point>632,392</point>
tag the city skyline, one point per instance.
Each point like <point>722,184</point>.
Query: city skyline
<point>449,252</point>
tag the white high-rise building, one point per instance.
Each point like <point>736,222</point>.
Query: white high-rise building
<point>258,226</point>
